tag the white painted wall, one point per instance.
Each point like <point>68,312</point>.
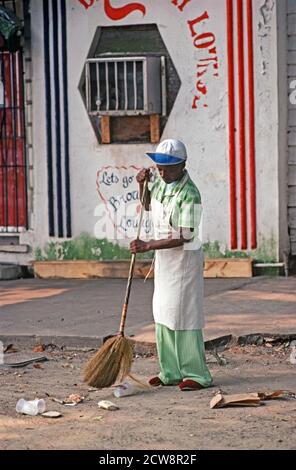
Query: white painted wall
<point>267,119</point>
<point>206,144</point>
<point>291,65</point>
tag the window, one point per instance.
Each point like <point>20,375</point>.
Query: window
<point>125,86</point>
<point>129,84</point>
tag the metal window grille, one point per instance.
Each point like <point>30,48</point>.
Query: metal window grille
<point>13,204</point>
<point>125,86</point>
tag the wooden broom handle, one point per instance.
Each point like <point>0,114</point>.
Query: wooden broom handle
<point>132,264</point>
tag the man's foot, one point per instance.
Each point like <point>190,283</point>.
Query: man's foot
<point>187,385</point>
<point>155,382</point>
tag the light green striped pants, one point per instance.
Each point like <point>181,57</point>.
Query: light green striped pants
<point>181,356</point>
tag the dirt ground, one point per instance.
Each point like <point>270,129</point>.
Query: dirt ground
<point>164,418</point>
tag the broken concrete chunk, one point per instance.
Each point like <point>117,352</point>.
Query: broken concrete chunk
<point>51,414</point>
<point>107,405</point>
<point>293,356</point>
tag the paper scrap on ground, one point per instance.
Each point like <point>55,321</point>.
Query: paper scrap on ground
<point>246,399</point>
<point>242,399</point>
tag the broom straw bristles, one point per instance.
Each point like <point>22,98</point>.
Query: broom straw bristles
<point>112,362</point>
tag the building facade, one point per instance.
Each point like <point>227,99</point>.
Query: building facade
<point>104,81</point>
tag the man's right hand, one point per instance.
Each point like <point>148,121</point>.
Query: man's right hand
<point>143,175</point>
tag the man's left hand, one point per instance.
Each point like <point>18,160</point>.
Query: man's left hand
<point>138,246</point>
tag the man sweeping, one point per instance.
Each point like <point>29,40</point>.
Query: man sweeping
<point>175,203</point>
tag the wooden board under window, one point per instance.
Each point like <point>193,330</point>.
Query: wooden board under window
<point>130,129</point>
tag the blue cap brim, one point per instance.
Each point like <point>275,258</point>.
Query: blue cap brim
<point>163,159</point>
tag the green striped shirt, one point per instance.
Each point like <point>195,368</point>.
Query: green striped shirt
<point>187,209</point>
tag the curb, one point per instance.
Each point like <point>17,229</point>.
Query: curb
<point>79,343</point>
<point>76,342</point>
<point>86,343</point>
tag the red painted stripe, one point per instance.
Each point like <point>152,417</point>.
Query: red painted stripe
<point>242,132</point>
<point>252,125</point>
<point>231,107</point>
<point>118,13</point>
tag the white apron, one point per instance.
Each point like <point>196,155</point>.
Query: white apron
<point>178,281</point>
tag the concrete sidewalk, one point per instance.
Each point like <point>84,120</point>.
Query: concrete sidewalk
<point>263,305</point>
<point>81,313</point>
<point>159,419</point>
<point>78,313</point>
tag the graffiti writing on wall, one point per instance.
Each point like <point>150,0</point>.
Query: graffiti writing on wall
<point>207,64</point>
<point>118,191</point>
<point>116,13</point>
<point>204,42</point>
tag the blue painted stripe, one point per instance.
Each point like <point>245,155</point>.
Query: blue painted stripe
<point>66,117</point>
<point>51,223</point>
<point>55,25</point>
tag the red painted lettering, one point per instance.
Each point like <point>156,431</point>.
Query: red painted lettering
<point>203,69</point>
<point>116,13</point>
<point>87,3</point>
<point>204,40</point>
<point>181,7</point>
<point>200,86</point>
<point>204,64</point>
<point>209,59</point>
<point>201,73</point>
<point>195,101</point>
<point>119,13</point>
<point>213,50</point>
<point>199,19</point>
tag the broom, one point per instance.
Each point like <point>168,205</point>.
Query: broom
<point>113,361</point>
